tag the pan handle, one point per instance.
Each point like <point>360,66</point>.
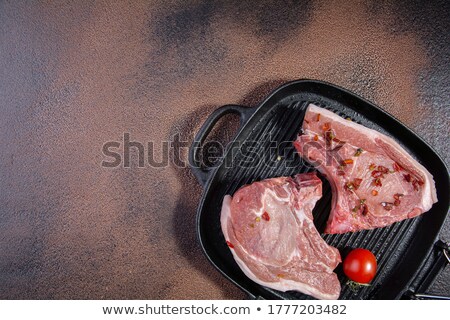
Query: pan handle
<point>201,172</point>
<point>441,260</point>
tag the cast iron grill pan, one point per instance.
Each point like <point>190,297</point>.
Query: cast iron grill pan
<point>263,149</point>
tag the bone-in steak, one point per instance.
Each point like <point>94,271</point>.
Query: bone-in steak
<point>375,182</point>
<point>269,228</point>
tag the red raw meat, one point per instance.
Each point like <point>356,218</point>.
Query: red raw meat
<point>375,182</point>
<point>269,228</point>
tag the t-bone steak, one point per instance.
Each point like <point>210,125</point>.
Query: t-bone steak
<point>268,226</point>
<point>375,182</point>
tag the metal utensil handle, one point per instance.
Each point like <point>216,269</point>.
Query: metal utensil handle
<point>445,250</point>
<point>201,172</point>
<point>423,296</point>
<point>446,253</point>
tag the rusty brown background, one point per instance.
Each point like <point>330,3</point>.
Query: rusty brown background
<point>75,75</point>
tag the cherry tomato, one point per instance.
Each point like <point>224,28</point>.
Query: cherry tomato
<point>360,265</point>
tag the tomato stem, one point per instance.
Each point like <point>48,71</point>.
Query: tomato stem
<point>355,286</point>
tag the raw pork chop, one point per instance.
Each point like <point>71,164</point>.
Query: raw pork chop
<point>269,228</point>
<point>375,182</point>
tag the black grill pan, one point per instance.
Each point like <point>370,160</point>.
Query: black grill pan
<point>409,253</point>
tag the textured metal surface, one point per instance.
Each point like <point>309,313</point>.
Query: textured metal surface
<point>75,75</point>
